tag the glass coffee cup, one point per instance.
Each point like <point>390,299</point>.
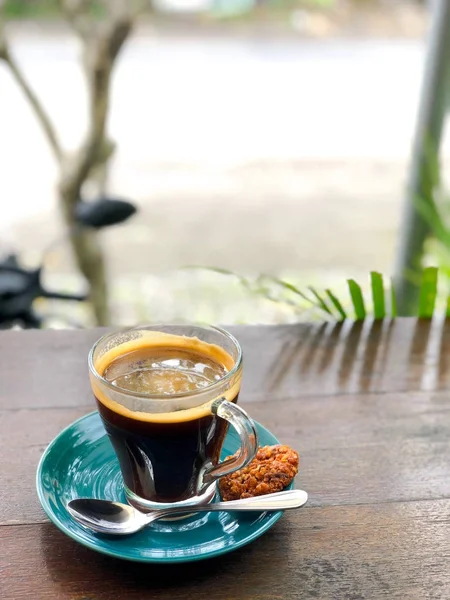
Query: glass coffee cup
<point>166,395</point>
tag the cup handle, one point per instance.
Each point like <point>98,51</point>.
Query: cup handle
<point>245,427</point>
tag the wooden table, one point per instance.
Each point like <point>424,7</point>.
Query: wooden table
<point>368,408</point>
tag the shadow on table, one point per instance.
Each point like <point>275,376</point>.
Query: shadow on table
<point>361,356</point>
<point>84,574</point>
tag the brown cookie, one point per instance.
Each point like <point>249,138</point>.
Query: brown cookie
<point>272,469</point>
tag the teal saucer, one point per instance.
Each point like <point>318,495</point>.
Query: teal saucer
<point>80,462</point>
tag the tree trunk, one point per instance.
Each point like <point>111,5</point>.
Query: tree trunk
<point>102,43</point>
<point>90,261</point>
<point>422,177</point>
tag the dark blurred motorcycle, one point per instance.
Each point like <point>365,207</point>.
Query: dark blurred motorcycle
<point>21,287</point>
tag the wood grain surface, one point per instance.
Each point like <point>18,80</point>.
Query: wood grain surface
<point>368,409</point>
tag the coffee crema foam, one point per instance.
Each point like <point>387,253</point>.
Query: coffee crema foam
<point>162,377</point>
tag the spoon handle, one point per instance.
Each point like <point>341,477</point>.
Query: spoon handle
<point>277,501</point>
<point>269,502</point>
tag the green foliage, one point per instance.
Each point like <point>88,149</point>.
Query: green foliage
<point>331,306</point>
<point>378,295</point>
<point>337,305</point>
<point>43,9</point>
<point>433,282</point>
<point>16,9</point>
<point>428,293</point>
<point>434,208</point>
<point>320,302</point>
<point>357,299</point>
<point>426,307</point>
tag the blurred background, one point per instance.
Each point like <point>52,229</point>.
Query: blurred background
<point>260,137</point>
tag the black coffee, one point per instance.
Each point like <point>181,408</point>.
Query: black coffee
<point>161,461</point>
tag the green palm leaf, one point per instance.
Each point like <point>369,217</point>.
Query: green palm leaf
<point>357,299</point>
<point>379,308</point>
<point>338,306</point>
<point>430,214</point>
<point>428,293</point>
<point>287,286</point>
<point>321,303</point>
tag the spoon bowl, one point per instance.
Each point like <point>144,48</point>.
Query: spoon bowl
<point>116,518</point>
